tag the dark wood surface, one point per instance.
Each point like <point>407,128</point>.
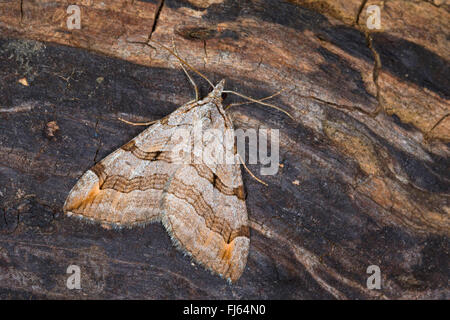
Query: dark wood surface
<point>364,174</point>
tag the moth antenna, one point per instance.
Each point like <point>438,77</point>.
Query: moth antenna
<point>182,61</point>
<point>251,173</point>
<point>259,102</point>
<point>265,98</point>
<point>187,74</point>
<point>138,123</point>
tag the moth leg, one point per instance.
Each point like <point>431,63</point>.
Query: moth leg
<point>251,173</point>
<point>192,81</point>
<point>197,97</point>
<point>258,100</point>
<point>138,123</point>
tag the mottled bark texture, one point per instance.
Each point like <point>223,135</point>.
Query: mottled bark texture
<point>364,169</point>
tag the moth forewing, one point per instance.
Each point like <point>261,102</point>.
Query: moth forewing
<point>151,178</point>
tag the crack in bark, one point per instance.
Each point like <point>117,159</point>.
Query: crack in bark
<point>21,11</point>
<point>156,18</point>
<point>340,106</point>
<point>427,135</point>
<point>360,9</point>
<point>205,59</point>
<point>376,57</point>
<point>99,142</point>
<point>435,4</point>
<point>375,71</point>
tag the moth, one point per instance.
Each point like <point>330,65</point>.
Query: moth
<point>201,204</point>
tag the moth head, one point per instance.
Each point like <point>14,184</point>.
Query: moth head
<point>217,91</point>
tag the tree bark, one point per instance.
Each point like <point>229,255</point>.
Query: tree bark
<point>363,177</point>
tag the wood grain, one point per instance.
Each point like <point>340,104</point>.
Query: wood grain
<point>363,177</point>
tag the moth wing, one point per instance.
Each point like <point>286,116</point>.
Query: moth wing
<point>125,188</point>
<point>202,205</point>
<point>204,209</point>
